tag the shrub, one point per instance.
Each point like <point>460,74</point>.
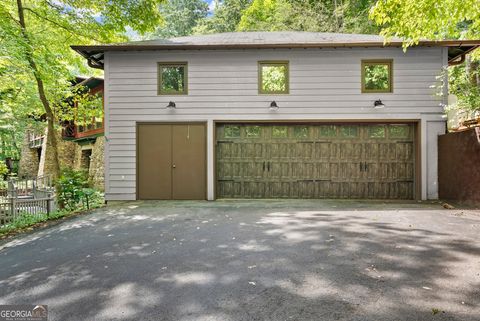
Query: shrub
<point>74,191</point>
<point>3,170</point>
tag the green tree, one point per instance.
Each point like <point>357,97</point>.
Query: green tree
<point>36,35</point>
<point>225,18</point>
<point>308,15</point>
<point>180,17</point>
<point>431,19</point>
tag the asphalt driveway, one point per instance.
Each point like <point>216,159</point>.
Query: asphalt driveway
<point>251,260</point>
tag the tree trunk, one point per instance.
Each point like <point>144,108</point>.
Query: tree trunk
<point>51,134</point>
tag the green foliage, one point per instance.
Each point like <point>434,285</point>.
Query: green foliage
<point>465,86</point>
<point>22,221</point>
<point>431,19</point>
<point>74,191</point>
<point>50,28</point>
<point>308,15</point>
<point>376,77</point>
<point>180,17</point>
<point>225,18</point>
<point>3,169</point>
<point>274,78</point>
<point>173,78</point>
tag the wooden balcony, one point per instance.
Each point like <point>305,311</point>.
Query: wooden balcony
<point>72,131</point>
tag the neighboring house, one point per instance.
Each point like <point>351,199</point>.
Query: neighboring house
<point>80,143</point>
<point>273,115</point>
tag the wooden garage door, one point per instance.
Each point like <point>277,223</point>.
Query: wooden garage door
<point>315,161</point>
<point>171,161</point>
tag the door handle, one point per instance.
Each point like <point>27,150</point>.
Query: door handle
<point>174,166</point>
<point>268,166</point>
<point>264,166</point>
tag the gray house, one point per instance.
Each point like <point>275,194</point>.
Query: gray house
<point>273,115</point>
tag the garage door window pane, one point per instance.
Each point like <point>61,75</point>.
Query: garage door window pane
<point>376,131</point>
<point>348,131</point>
<point>399,131</point>
<point>252,131</point>
<point>280,132</point>
<point>328,131</point>
<point>232,131</point>
<point>300,132</point>
<point>172,78</point>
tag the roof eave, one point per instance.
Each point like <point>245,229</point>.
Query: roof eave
<point>89,51</point>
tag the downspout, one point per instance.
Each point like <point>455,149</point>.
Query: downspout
<point>457,62</point>
<point>94,64</point>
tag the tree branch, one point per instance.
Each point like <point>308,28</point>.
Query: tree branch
<point>59,25</point>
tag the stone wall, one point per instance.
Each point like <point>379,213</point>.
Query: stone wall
<point>28,165</point>
<point>96,169</point>
<point>66,155</point>
<point>71,156</point>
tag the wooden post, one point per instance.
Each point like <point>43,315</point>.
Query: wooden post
<point>49,205</point>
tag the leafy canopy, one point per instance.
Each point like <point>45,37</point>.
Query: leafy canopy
<point>226,16</point>
<point>431,19</point>
<point>51,26</point>
<point>308,15</point>
<point>180,17</point>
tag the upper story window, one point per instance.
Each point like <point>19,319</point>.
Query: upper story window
<point>273,77</point>
<point>377,76</point>
<point>172,78</point>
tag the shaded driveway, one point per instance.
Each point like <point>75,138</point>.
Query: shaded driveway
<point>251,260</point>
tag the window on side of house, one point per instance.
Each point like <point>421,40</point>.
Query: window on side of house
<point>273,77</point>
<point>172,78</point>
<point>377,76</point>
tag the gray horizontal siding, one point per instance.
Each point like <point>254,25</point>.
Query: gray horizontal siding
<point>324,84</point>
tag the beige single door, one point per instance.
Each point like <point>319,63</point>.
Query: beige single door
<point>315,161</point>
<point>154,162</point>
<point>171,161</point>
<point>188,162</point>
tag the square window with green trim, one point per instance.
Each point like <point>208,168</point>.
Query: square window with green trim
<point>377,76</point>
<point>273,77</point>
<point>172,78</point>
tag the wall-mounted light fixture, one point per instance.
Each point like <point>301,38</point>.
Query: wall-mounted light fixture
<point>378,104</point>
<point>273,106</point>
<point>171,105</point>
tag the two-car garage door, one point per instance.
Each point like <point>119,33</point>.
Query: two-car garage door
<point>315,161</point>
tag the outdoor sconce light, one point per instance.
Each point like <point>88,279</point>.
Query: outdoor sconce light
<point>273,106</point>
<point>378,104</point>
<point>171,105</point>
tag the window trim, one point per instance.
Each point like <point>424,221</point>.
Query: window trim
<point>368,62</point>
<point>262,63</point>
<point>161,65</point>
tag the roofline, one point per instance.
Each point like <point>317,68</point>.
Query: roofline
<point>90,50</point>
<point>180,46</point>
